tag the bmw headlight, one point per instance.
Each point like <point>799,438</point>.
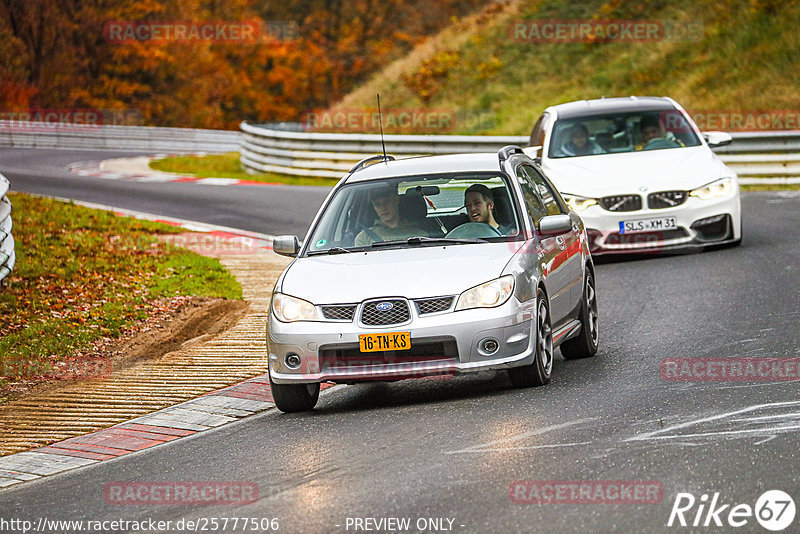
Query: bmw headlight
<point>578,203</point>
<point>719,188</point>
<point>289,309</point>
<point>488,295</point>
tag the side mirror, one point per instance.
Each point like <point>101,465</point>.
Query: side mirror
<point>286,245</point>
<point>715,139</point>
<point>555,224</point>
<point>533,152</point>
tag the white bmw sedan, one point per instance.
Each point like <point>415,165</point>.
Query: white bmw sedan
<point>640,174</point>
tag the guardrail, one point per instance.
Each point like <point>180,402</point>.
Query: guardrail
<point>134,138</point>
<point>332,154</point>
<point>770,156</point>
<point>7,255</point>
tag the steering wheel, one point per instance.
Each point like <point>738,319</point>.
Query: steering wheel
<point>473,230</point>
<point>660,142</point>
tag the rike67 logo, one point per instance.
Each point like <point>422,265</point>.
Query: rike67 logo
<point>774,510</point>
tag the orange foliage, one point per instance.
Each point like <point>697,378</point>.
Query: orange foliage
<point>309,53</point>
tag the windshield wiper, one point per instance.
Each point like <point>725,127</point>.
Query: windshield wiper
<point>332,250</point>
<point>418,240</point>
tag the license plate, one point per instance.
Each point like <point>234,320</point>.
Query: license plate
<point>647,225</point>
<point>385,341</point>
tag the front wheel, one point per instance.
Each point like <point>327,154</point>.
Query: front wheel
<point>538,372</point>
<point>291,398</point>
<point>585,344</point>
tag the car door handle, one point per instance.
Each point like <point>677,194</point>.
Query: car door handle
<point>560,241</point>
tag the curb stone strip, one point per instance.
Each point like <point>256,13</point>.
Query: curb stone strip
<point>211,410</point>
<point>94,169</point>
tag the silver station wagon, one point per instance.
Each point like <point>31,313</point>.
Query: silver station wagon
<point>432,266</point>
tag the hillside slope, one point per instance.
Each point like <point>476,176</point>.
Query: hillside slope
<point>737,57</point>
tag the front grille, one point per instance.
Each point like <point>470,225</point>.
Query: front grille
<point>666,199</point>
<point>644,239</point>
<point>339,313</point>
<point>396,314</point>
<point>332,357</point>
<point>621,203</point>
<point>434,305</point>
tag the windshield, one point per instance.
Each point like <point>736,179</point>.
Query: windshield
<point>621,132</point>
<point>416,211</point>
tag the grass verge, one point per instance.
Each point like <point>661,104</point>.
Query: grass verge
<point>769,187</point>
<point>739,61</point>
<point>228,166</point>
<point>82,275</point>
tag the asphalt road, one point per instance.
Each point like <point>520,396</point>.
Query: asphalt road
<point>267,210</point>
<point>452,448</point>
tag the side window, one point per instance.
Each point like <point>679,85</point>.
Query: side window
<point>533,202</point>
<point>545,191</point>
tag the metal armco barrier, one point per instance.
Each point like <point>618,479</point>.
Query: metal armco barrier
<point>770,156</point>
<point>139,138</point>
<point>7,255</point>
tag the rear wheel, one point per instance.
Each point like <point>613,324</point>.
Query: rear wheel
<point>538,372</point>
<point>294,397</point>
<point>585,344</point>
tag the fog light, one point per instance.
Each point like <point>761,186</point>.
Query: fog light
<point>292,360</point>
<point>489,346</point>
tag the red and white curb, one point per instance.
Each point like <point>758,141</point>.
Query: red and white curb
<point>95,169</point>
<point>185,419</point>
<point>209,411</point>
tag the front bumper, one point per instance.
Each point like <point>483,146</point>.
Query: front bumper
<point>700,223</point>
<point>443,343</point>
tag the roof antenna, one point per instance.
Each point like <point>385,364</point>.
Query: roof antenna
<point>380,121</point>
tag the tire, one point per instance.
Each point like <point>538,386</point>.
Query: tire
<point>585,344</point>
<point>290,398</point>
<point>538,372</point>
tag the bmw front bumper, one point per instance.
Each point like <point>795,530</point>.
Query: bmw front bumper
<point>699,223</point>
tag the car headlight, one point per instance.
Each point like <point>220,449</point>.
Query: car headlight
<point>719,188</point>
<point>488,295</point>
<point>578,203</point>
<point>290,309</point>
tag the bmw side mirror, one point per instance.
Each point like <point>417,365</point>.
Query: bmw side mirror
<point>715,139</point>
<point>555,224</point>
<point>533,152</point>
<point>286,245</point>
